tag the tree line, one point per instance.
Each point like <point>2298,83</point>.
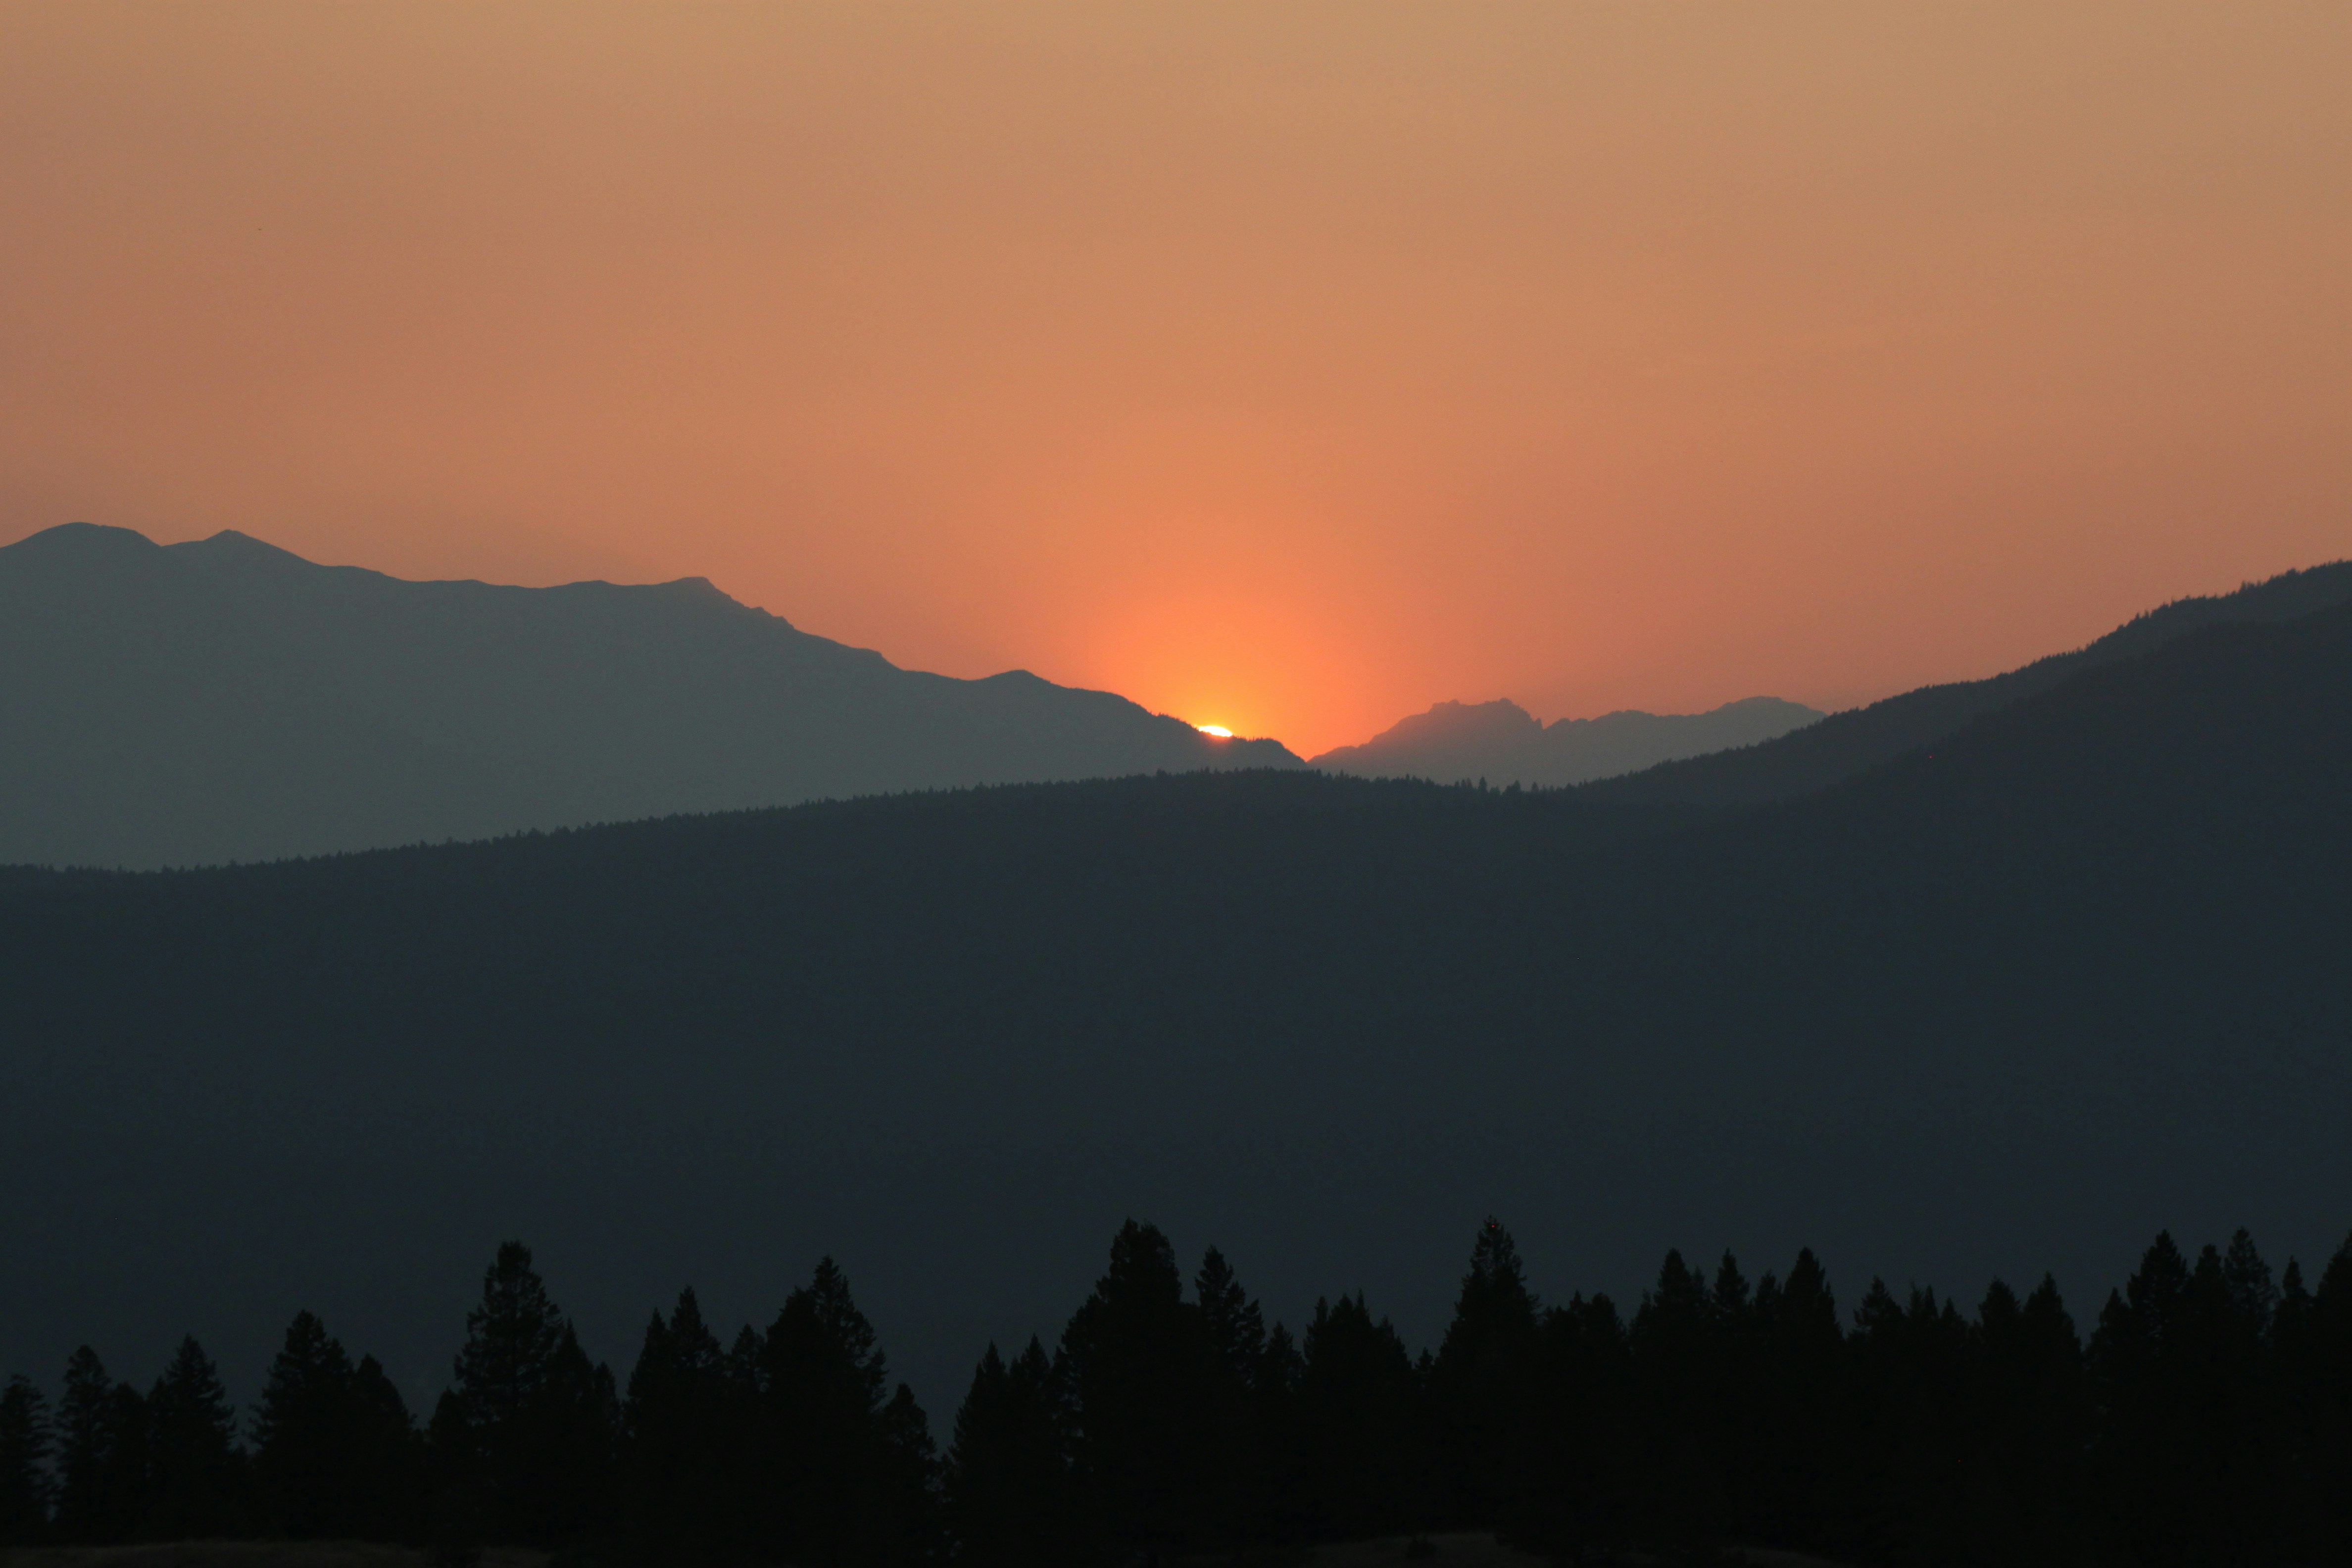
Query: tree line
<point>2206,1419</point>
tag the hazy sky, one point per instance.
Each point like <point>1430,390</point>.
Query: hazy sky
<point>1285,365</point>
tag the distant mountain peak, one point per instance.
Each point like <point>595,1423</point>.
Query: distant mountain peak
<point>1504,744</point>
<point>80,540</point>
<point>1460,721</point>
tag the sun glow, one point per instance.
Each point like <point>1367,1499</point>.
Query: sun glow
<point>1219,731</point>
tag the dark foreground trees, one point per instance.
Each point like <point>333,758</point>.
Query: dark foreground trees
<point>2206,1420</point>
<point>335,1452</point>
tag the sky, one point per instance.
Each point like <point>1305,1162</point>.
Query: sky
<point>1289,366</point>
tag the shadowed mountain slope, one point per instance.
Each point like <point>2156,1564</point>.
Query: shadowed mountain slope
<point>2079,974</point>
<point>1844,743</point>
<point>224,699</point>
<point>1502,742</point>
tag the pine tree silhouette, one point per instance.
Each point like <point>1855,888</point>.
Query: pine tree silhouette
<point>2329,1380</point>
<point>336,1452</point>
<point>1141,1369</point>
<point>102,1454</point>
<point>852,1475</point>
<point>2174,1364</point>
<point>302,1458</point>
<point>24,1463</point>
<point>1286,1509</point>
<point>196,1476</point>
<point>1010,1498</point>
<point>1232,1503</point>
<point>1478,1386</point>
<point>1235,1324</point>
<point>1359,1424</point>
<point>691,1431</point>
<point>525,1435</point>
<point>2033,1418</point>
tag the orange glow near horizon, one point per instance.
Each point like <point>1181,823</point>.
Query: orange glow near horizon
<point>1592,356</point>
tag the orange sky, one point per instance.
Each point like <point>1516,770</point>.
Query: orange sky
<point>1285,365</point>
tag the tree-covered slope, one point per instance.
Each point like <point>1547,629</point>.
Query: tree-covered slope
<point>1846,744</point>
<point>2076,973</point>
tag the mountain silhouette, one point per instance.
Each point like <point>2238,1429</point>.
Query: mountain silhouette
<point>1502,742</point>
<point>2073,973</point>
<point>1817,756</point>
<point>224,699</point>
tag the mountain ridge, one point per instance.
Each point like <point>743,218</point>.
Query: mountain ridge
<point>225,700</point>
<point>1847,743</point>
<point>1455,743</point>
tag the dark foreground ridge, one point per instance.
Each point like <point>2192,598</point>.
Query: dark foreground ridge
<point>2208,1420</point>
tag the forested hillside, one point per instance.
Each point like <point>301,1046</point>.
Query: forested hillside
<point>2074,976</point>
<point>1813,758</point>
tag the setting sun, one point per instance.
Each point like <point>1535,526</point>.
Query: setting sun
<point>1219,731</point>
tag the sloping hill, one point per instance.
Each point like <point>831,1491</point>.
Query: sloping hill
<point>1503,744</point>
<point>224,699</point>
<point>2079,974</point>
<point>1844,744</point>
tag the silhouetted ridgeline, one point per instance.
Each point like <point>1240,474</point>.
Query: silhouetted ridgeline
<point>2207,1420</point>
<point>1816,756</point>
<point>222,700</point>
<point>1502,743</point>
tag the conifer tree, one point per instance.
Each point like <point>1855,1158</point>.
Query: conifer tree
<point>526,1434</point>
<point>911,1528</point>
<point>690,1425</point>
<point>335,1449</point>
<point>1478,1386</point>
<point>510,1352</point>
<point>1883,1359</point>
<point>2033,1418</point>
<point>1231,1502</point>
<point>576,1439</point>
<point>2171,1363</point>
<point>1573,1480</point>
<point>1235,1324</point>
<point>24,1463</point>
<point>2294,1407</point>
<point>388,1497</point>
<point>2329,1380</point>
<point>1672,1346</point>
<point>1008,1471</point>
<point>1140,1367</point>
<point>302,1458</point>
<point>825,1381</point>
<point>1798,1469</point>
<point>2253,1296</point>
<point>195,1474</point>
<point>851,1474</point>
<point>101,1453</point>
<point>1359,1420</point>
<point>1284,1510</point>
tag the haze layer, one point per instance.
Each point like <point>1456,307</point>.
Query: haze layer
<point>1288,368</point>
